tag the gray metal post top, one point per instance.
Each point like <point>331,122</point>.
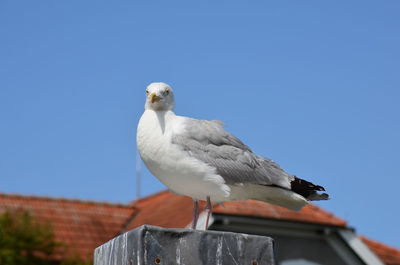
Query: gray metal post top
<point>154,245</point>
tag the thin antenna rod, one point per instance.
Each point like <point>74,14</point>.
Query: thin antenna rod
<point>138,175</point>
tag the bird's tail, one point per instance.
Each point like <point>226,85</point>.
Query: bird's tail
<point>271,194</point>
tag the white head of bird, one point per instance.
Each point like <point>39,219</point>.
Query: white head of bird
<point>159,97</point>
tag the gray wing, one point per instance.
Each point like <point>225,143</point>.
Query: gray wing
<point>209,142</point>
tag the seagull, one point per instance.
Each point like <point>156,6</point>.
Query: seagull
<point>200,159</point>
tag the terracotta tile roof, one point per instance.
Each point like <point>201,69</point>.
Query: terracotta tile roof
<point>81,225</point>
<point>309,214</point>
<point>163,209</point>
<point>169,210</point>
<point>84,225</point>
<point>389,255</point>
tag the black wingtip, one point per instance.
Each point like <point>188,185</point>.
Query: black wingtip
<point>305,188</point>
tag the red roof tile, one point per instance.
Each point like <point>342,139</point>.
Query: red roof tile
<point>309,214</point>
<point>169,210</point>
<point>389,255</point>
<point>82,225</point>
<point>163,209</point>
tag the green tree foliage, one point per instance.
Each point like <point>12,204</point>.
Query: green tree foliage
<point>23,241</point>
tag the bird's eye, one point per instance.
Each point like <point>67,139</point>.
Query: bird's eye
<point>167,92</point>
<point>147,92</point>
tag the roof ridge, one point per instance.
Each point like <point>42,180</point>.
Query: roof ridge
<point>151,196</point>
<point>374,241</point>
<point>63,199</point>
<point>320,209</point>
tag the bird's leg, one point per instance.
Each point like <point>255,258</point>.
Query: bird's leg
<point>208,209</point>
<point>195,213</point>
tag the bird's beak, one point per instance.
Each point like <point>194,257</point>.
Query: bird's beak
<point>154,98</point>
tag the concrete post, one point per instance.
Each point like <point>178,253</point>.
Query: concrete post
<point>154,245</point>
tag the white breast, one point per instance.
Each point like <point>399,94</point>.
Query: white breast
<point>172,166</point>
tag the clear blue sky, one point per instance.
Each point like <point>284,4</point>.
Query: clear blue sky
<point>314,85</point>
